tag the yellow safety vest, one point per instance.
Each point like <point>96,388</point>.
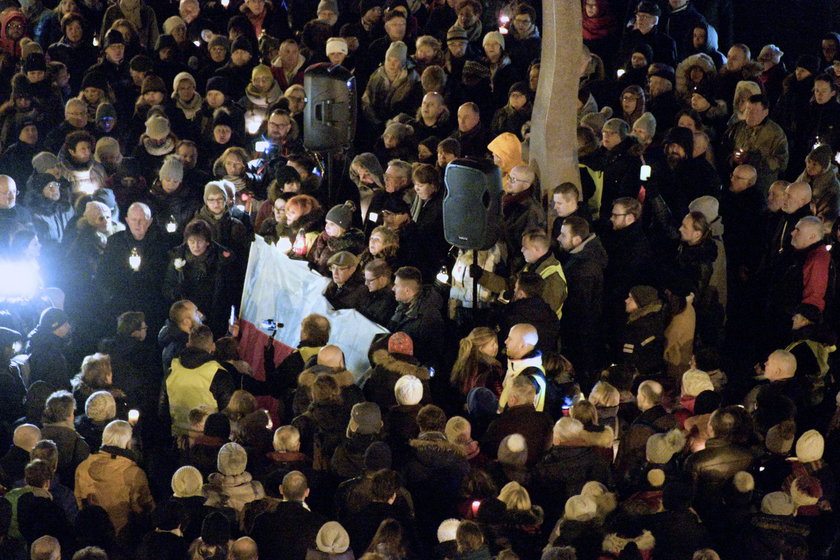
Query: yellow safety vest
<point>187,389</point>
<point>555,269</point>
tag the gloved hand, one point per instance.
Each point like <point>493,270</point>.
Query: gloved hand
<point>476,271</point>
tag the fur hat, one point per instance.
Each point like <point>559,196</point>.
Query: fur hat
<point>695,382</point>
<point>215,530</point>
<point>777,503</point>
<point>157,127</point>
<point>397,50</point>
<point>580,508</point>
<point>493,36</point>
<point>780,437</point>
<point>456,33</point>
<point>660,448</point>
<point>377,456</point>
<point>232,459</point>
<point>170,23</point>
<point>52,318</point>
<point>513,450</point>
<point>332,538</point>
<point>806,491</point>
<point>822,155</point>
<point>42,161</point>
<point>400,343</point>
<point>172,168</point>
<point>770,53</point>
<point>408,390</point>
<point>810,447</point>
<point>187,482</point>
<point>644,295</point>
<point>342,215</point>
<point>336,45</point>
<point>447,530</point>
<point>153,83</point>
<point>365,418</point>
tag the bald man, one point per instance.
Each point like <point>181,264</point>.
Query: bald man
<point>244,548</point>
<point>45,548</point>
<point>10,211</point>
<point>331,356</point>
<point>796,204</point>
<point>741,211</point>
<point>16,458</point>
<point>801,279</point>
<point>520,347</point>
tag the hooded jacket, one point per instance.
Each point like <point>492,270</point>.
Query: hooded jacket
<point>111,479</point>
<point>509,149</point>
<point>387,370</point>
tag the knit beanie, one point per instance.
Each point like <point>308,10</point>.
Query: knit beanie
<point>215,530</point>
<point>113,37</point>
<point>400,343</point>
<point>336,45</point>
<point>481,402</point>
<point>780,437</point>
<point>646,122</point>
<point>330,5</point>
<point>580,508</point>
<point>219,41</point>
<point>241,43</point>
<point>106,147</point>
<point>598,119</point>
<point>777,503</point>
<point>810,447</point>
<point>397,50</point>
<point>232,459</point>
<point>342,215</point>
<point>261,71</point>
<point>52,318</point>
<point>217,424</point>
<point>809,62</point>
<point>34,62</point>
<point>806,490</point>
<point>822,155</point>
<point>43,161</point>
<point>94,80</point>
<point>519,87</point>
<point>495,37</point>
<point>157,127</point>
<point>513,450</point>
<point>187,482</point>
<point>644,295</point>
<point>367,5</point>
<point>695,382</point>
<point>661,447</point>
<point>656,478</point>
<point>474,71</point>
<point>172,168</point>
<point>398,131</point>
<point>217,83</point>
<point>152,83</point>
<point>743,482</point>
<point>618,126</point>
<point>706,205</point>
<point>141,63</point>
<point>105,111</point>
<point>770,53</point>
<point>215,187</point>
<point>171,23</point>
<point>179,78</point>
<point>377,456</point>
<point>408,390</point>
<point>332,538</point>
<point>447,530</point>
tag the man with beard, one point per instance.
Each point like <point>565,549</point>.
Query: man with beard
<point>687,177</point>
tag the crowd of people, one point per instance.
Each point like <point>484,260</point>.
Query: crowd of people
<point>640,364</point>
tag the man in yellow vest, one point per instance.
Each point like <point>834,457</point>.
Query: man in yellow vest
<point>536,248</point>
<point>522,354</point>
<point>195,379</point>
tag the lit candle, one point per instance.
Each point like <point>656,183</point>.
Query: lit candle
<point>134,260</point>
<point>225,3</point>
<point>133,416</point>
<point>443,276</point>
<point>171,225</point>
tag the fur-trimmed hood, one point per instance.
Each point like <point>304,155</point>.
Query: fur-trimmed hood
<point>614,544</point>
<point>533,517</point>
<point>599,436</point>
<point>433,447</point>
<point>382,358</point>
<point>307,377</point>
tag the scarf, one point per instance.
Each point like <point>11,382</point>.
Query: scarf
<point>190,108</point>
<point>511,199</point>
<point>263,99</point>
<point>131,11</point>
<point>474,33</point>
<point>162,150</point>
<point>599,26</point>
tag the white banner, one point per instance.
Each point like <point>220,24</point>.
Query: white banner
<point>279,288</point>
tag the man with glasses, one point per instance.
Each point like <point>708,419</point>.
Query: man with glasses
<point>646,30</point>
<point>347,289</point>
<point>521,211</point>
<point>380,304</point>
<point>10,213</point>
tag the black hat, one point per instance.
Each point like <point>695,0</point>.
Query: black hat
<point>217,425</point>
<point>241,43</point>
<point>377,456</point>
<point>8,338</point>
<point>810,312</point>
<point>165,42</point>
<point>661,70</point>
<point>809,62</point>
<point>95,80</point>
<point>34,62</point>
<point>113,37</point>
<point>367,5</point>
<point>215,531</point>
<point>52,318</point>
<point>217,83</point>
<point>141,63</point>
<point>682,136</point>
<point>221,117</point>
<point>649,7</point>
<point>20,124</point>
<point>704,89</point>
<point>519,87</point>
<point>396,205</point>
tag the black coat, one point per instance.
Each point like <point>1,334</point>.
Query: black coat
<point>136,369</point>
<point>690,179</point>
<point>630,262</point>
<point>353,294</point>
<point>663,46</point>
<point>287,532</point>
<point>621,175</point>
<point>423,322</point>
<point>380,306</point>
<point>47,361</point>
<point>534,311</point>
<point>642,342</point>
<point>524,419</point>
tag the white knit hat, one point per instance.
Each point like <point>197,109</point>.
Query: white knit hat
<point>810,446</point>
<point>695,382</point>
<point>447,529</point>
<point>777,503</point>
<point>580,508</point>
<point>408,390</point>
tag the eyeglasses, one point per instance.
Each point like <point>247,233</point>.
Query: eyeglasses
<point>628,97</point>
<point>14,25</point>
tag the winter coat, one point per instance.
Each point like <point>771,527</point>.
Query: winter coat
<point>642,342</point>
<point>194,379</point>
<point>148,28</point>
<point>621,174</point>
<point>383,98</point>
<point>663,46</point>
<point>632,450</point>
<point>352,240</point>
<point>380,305</point>
<point>387,370</point>
<point>701,60</point>
<point>234,490</point>
<point>776,536</point>
<point>534,311</point>
<point>180,205</point>
<point>535,427</point>
<point>47,361</point>
<point>423,322</point>
<point>439,464</point>
<point>50,218</point>
<point>325,421</point>
<point>520,212</point>
<point>825,192</point>
<point>522,531</point>
<point>712,468</point>
<point>112,479</point>
<point>679,341</point>
<point>585,536</point>
<point>348,460</point>
<point>287,532</point>
<point>228,232</point>
<point>765,146</point>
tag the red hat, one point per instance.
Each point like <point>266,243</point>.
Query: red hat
<point>400,343</point>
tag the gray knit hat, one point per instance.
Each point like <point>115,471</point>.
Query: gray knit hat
<point>646,122</point>
<point>342,214</point>
<point>232,459</point>
<point>172,168</point>
<point>43,161</point>
<point>397,50</point>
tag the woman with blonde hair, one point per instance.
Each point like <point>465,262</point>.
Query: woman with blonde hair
<point>241,404</point>
<point>522,521</point>
<point>476,365</point>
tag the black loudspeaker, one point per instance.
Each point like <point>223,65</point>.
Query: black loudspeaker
<point>472,204</point>
<point>329,118</point>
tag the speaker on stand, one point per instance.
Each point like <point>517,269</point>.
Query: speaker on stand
<point>330,119</point>
<point>472,208</point>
